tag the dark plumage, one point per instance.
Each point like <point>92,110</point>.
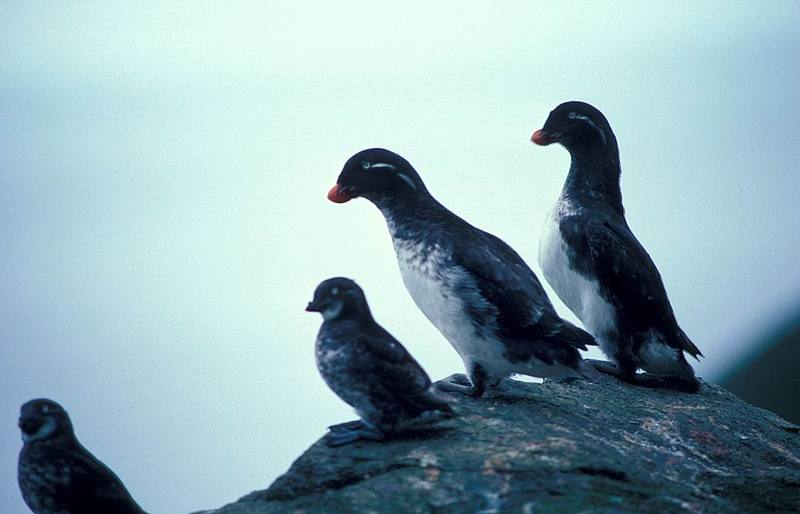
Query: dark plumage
<point>595,263</point>
<point>472,286</point>
<point>368,368</point>
<point>59,476</point>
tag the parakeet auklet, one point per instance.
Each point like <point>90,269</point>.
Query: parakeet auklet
<point>471,285</point>
<point>597,266</point>
<point>59,476</point>
<point>368,368</point>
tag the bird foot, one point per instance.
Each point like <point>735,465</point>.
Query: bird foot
<point>458,378</point>
<point>350,425</point>
<point>458,383</point>
<point>609,368</point>
<point>341,437</point>
<point>687,385</point>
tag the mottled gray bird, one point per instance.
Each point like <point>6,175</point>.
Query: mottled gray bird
<point>368,368</point>
<point>471,285</point>
<point>57,475</point>
<point>596,265</point>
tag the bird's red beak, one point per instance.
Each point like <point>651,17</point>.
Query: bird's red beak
<point>338,194</point>
<point>542,138</point>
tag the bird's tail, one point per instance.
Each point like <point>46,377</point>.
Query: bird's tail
<point>576,336</point>
<point>686,344</point>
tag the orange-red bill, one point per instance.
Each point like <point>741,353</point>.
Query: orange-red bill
<point>540,138</point>
<point>336,195</point>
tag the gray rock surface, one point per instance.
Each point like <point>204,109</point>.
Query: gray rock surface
<point>557,447</point>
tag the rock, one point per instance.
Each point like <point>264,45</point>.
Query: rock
<point>555,447</point>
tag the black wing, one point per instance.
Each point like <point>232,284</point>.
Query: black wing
<point>95,489</point>
<point>627,272</point>
<point>520,305</point>
<point>389,365</point>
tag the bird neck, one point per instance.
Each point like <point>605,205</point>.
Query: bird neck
<point>356,310</point>
<point>594,175</point>
<point>349,322</point>
<point>63,437</point>
<point>404,214</point>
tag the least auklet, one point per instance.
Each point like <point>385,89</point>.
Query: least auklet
<point>471,285</point>
<point>368,368</point>
<point>57,475</point>
<point>597,266</point>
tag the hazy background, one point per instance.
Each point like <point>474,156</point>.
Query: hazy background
<point>163,222</point>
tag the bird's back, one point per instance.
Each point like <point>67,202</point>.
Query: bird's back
<point>55,479</point>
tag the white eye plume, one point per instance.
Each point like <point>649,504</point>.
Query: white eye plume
<point>405,178</point>
<point>582,117</point>
<point>383,165</point>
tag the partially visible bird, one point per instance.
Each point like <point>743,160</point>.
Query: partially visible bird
<point>368,368</point>
<point>597,266</point>
<point>57,475</point>
<point>471,285</point>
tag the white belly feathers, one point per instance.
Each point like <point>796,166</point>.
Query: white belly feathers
<point>579,293</point>
<point>441,292</point>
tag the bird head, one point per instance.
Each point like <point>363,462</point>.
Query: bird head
<point>376,174</point>
<point>338,297</point>
<point>575,125</point>
<point>43,419</point>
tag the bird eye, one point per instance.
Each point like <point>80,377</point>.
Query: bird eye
<point>45,409</point>
<point>366,164</point>
<point>572,115</point>
<point>334,291</point>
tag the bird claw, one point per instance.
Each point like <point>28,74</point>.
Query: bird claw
<point>648,380</point>
<point>345,436</point>
<point>458,378</point>
<point>349,425</point>
<point>609,368</point>
<point>667,382</point>
<point>448,386</point>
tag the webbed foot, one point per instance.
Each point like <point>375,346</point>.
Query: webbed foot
<point>609,368</point>
<point>350,425</point>
<point>687,385</point>
<point>340,437</point>
<point>458,383</point>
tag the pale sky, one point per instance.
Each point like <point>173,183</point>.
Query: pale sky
<point>163,170</point>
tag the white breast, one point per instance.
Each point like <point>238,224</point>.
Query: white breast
<point>442,292</point>
<point>578,292</point>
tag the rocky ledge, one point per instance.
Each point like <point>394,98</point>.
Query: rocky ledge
<point>556,447</point>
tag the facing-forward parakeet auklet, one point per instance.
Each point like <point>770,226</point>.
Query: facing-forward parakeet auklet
<point>57,475</point>
<point>471,285</point>
<point>597,266</point>
<point>368,368</point>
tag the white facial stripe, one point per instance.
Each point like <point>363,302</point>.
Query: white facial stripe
<point>383,165</point>
<point>590,122</point>
<point>407,180</point>
<point>44,431</point>
<point>333,311</point>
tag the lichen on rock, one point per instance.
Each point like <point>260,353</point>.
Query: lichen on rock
<point>556,447</point>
